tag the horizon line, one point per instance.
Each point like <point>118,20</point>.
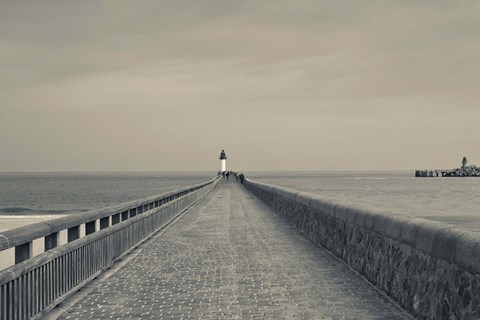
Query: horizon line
<point>206,171</point>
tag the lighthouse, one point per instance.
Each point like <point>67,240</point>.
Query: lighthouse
<point>223,161</point>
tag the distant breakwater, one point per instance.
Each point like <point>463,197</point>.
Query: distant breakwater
<point>457,172</point>
<point>431,269</point>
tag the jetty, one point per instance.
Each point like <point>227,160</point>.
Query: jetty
<point>226,250</point>
<point>463,171</point>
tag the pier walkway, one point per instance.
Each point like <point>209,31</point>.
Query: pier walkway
<point>230,257</point>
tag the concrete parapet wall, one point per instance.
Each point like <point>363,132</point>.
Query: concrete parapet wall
<point>431,269</point>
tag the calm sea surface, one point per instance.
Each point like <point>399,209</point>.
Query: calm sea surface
<point>450,200</point>
<point>64,193</point>
<point>32,197</point>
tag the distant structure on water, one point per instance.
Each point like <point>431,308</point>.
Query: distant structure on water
<point>464,162</point>
<point>463,171</point>
<point>223,161</point>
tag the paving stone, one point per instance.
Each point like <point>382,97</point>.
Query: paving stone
<point>231,257</point>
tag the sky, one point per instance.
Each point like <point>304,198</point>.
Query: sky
<point>280,85</point>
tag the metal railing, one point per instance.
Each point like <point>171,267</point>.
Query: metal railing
<point>34,285</point>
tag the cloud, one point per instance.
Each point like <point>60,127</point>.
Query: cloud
<point>244,73</point>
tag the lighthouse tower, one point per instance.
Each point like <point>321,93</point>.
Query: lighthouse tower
<point>223,161</point>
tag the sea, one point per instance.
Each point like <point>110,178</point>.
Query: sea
<point>27,198</point>
<point>49,195</point>
<point>25,194</point>
<point>455,201</point>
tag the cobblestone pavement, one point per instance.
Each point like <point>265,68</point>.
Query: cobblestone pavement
<point>231,257</point>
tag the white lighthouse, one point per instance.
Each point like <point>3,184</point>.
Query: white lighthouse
<point>223,161</point>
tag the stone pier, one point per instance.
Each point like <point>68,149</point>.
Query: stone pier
<point>229,257</point>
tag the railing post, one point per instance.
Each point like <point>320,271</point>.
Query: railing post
<point>51,241</point>
<point>104,223</point>
<point>23,252</point>
<point>73,233</point>
<point>90,227</point>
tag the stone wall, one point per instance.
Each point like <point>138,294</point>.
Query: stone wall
<point>431,269</point>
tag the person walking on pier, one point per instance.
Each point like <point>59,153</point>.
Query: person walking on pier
<point>241,178</point>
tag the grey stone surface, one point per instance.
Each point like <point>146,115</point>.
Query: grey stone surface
<point>428,283</point>
<point>231,257</point>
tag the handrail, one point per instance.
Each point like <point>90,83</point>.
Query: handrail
<point>30,288</point>
<point>19,269</point>
<point>21,238</point>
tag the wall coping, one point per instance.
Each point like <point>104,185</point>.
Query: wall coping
<point>437,239</point>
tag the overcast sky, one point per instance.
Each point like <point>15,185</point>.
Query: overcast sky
<point>280,85</point>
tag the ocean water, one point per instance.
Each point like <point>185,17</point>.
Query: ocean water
<point>27,198</point>
<point>67,193</point>
<point>46,195</point>
<point>454,201</point>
